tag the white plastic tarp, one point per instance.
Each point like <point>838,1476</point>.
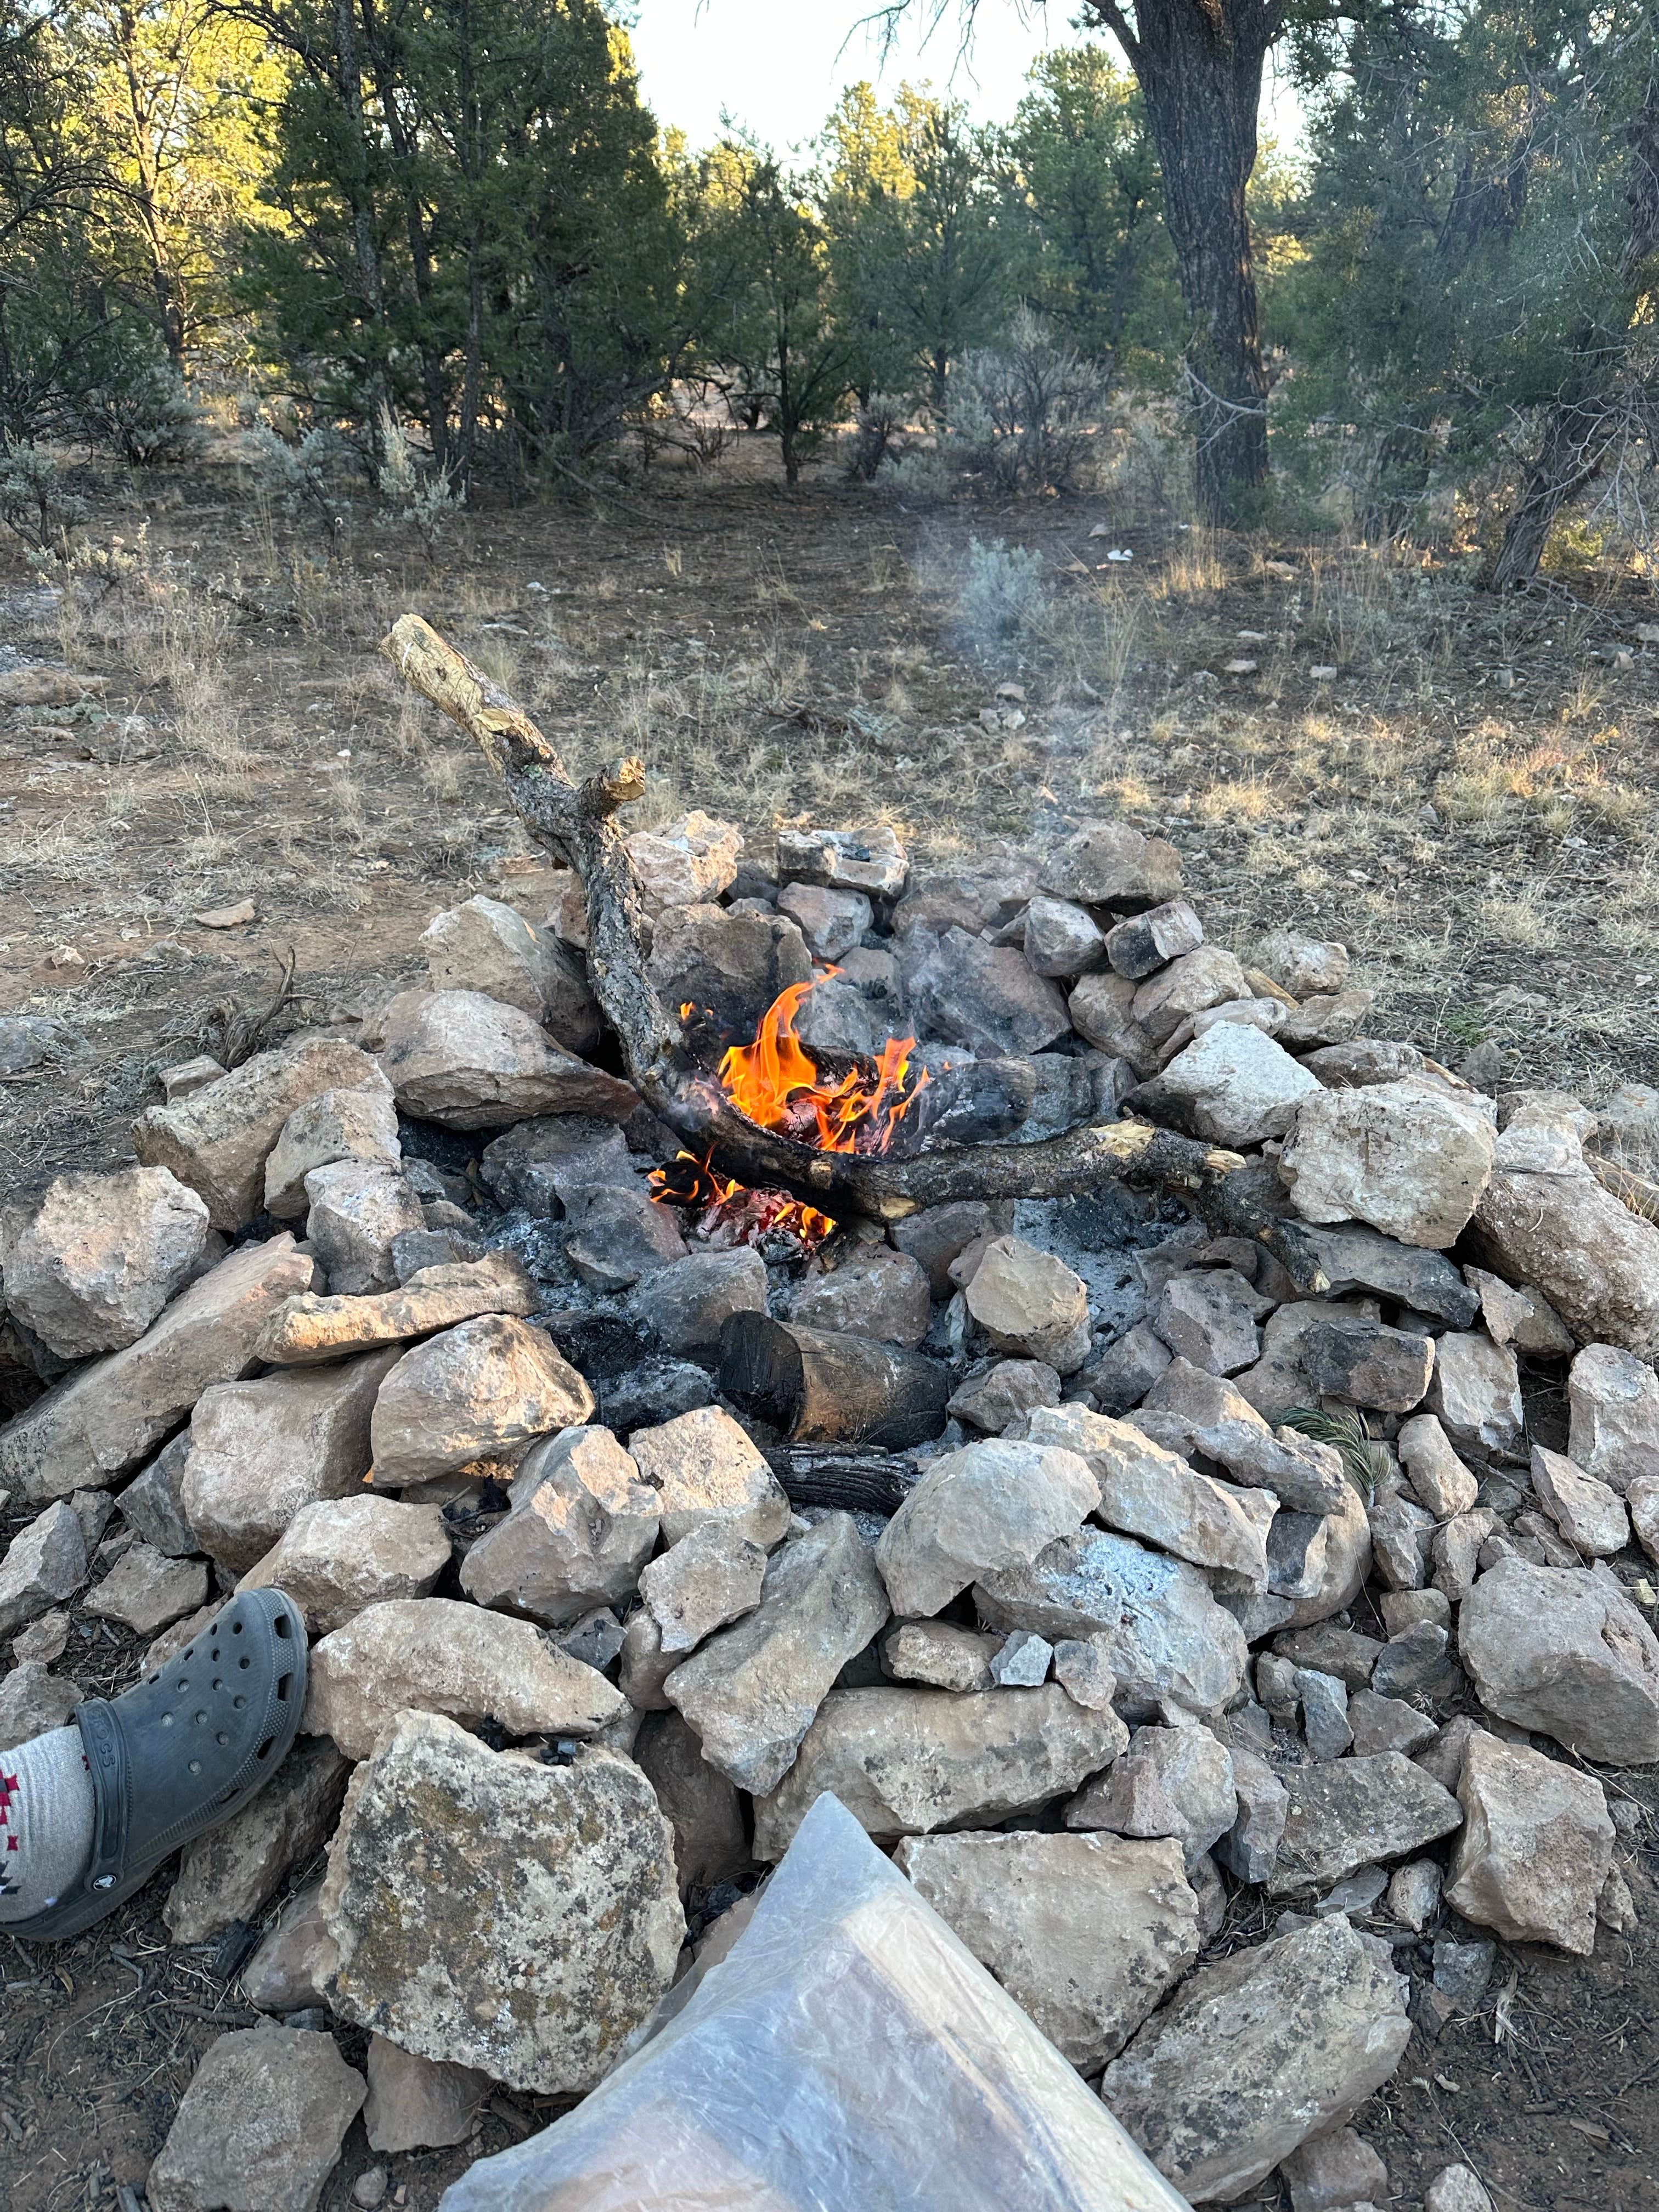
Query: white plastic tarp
<point>849,2055</point>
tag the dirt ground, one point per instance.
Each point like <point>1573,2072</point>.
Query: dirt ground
<point>1464,792</point>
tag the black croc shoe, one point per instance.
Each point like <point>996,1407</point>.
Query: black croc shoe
<point>181,1751</point>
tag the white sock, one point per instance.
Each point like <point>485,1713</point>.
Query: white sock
<point>46,1821</point>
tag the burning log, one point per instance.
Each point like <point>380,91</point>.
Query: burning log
<point>579,824</point>
<point>819,1387</point>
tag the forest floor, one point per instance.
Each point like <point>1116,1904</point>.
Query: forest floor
<point>1463,789</point>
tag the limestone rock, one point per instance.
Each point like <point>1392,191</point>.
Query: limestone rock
<point>711,1842</point>
<point>831,921</point>
<point>470,1062</point>
<point>45,1563</point>
<point>1401,1534</point>
<point>734,965</point>
<point>685,1303</point>
<point>483,945</point>
<point>870,860</point>
<point>260,1450</point>
<point>1456,2189</point>
<point>1208,977</point>
<point>434,1655</point>
<point>1112,865</point>
<point>90,1261</point>
<point>703,1466</point>
<point>1144,942</point>
<point>145,1591</point>
<point>233,1871</point>
<point>985,998</point>
<point>614,1236</point>
<point>1207,1317</point>
<point>1406,1158</point>
<point>1061,939</point>
<point>581,1528</point>
<point>533,1163</point>
<point>294,1966</point>
<point>711,1577</point>
<point>1172,1781</point>
<point>939,1654</point>
<point>1385,1368</point>
<point>1382,1724</point>
<point>688,860</point>
<point>486,1389</point>
<point>342,1554</point>
<point>336,1125</point>
<point>1536,1846</point>
<point>988,1507</point>
<point>1022,1661</point>
<point>308,1329</point>
<point>1359,1259</point>
<point>1232,1085</point>
<point>1438,1477</point>
<point>1414,1894</point>
<point>1338,2171</point>
<point>152,1505</point>
<point>1564,1652</point>
<point>1319,1563</point>
<point>103,1420</point>
<point>1189,1410</point>
<point>1476,1391</point>
<point>1257,2052</point>
<point>1120,1378</point>
<point>1030,1304</point>
<point>751,1692</point>
<point>1594,1260</point>
<point>1170,1638</point>
<point>1150,1493</point>
<point>32,1700</point>
<point>455,1869</point>
<point>906,1762</point>
<point>1262,1804</point>
<point>1641,1500</point>
<point>1350,1813</point>
<point>1522,1317</point>
<point>1590,1515</point>
<point>1613,1398</point>
<point>1087,1932</point>
<point>260,2126</point>
<point>419,2104</point>
<point>875,1292</point>
<point>217,1140</point>
<point>993,1396</point>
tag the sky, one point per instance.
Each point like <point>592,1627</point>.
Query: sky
<point>779,66</point>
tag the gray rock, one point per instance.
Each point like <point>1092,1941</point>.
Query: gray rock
<point>470,1062</point>
<point>232,1872</point>
<point>1170,1639</point>
<point>703,1466</point>
<point>875,1291</point>
<point>307,1330</point>
<point>711,1842</point>
<point>751,1692</point>
<point>1232,1085</point>
<point>1331,1650</point>
<point>260,2126</point>
<point>872,861</point>
<point>908,1762</point>
<point>1406,1158</point>
<point>436,1655</point>
<point>1387,1368</point>
<point>483,945</point>
<point>1536,1846</point>
<point>1564,1652</point>
<point>1030,1304</point>
<point>1595,1260</point>
<point>104,1420</point>
<point>1022,1661</point>
<point>1087,1933</point>
<point>1360,1259</point>
<point>486,1389</point>
<point>582,1526</point>
<point>342,1554</point>
<point>336,1125</point>
<point>1335,2173</point>
<point>152,1505</point>
<point>616,1235</point>
<point>294,1966</point>
<point>217,1140</point>
<point>358,1208</point>
<point>1351,1813</point>
<point>260,1450</point>
<point>1304,966</point>
<point>28,1041</point>
<point>1589,1514</point>
<point>1456,2189</point>
<point>1458,1549</point>
<point>1522,1317</point>
<point>1402,1535</point>
<point>454,1864</point>
<point>1324,1713</point>
<point>1120,1376</point>
<point>1255,2054</point>
<point>685,1303</point>
<point>691,859</point>
<point>711,1577</point>
<point>1614,1400</point>
<point>942,1656</point>
<point>90,1260</point>
<point>985,998</point>
<point>1112,865</point>
<point>836,1018</point>
<point>935,1235</point>
<point>1172,1781</point>
<point>34,1701</point>
<point>1061,939</point>
<point>1207,1317</point>
<point>1439,1480</point>
<point>993,1396</point>
<point>1189,1410</point>
<point>1261,1803</point>
<point>1144,942</point>
<point>991,1506</point>
<point>1384,1723</point>
<point>145,1591</point>
<point>730,966</point>
<point>1476,1392</point>
<point>534,1164</point>
<point>1197,981</point>
<point>45,1563</point>
<point>419,2104</point>
<point>1414,1894</point>
<point>831,921</point>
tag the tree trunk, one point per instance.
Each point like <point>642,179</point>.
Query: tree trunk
<point>1580,431</point>
<point>1199,63</point>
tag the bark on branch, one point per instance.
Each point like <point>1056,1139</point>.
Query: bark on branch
<point>578,823</point>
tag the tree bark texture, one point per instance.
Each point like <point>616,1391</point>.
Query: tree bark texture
<point>1199,63</point>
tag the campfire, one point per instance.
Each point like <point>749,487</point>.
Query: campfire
<point>777,1084</point>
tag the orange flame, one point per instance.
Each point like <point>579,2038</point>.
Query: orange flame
<point>775,1081</point>
<point>729,1214</point>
